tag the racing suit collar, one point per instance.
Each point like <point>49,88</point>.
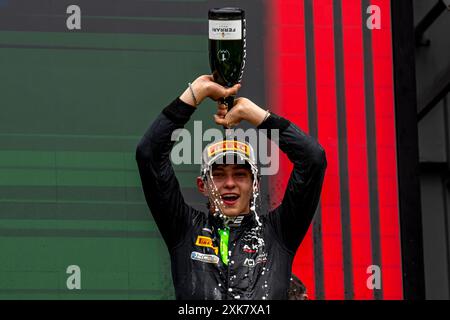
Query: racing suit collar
<point>242,220</point>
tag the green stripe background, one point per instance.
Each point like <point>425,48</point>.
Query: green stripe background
<point>73,107</point>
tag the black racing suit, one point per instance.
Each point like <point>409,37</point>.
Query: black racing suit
<point>260,260</point>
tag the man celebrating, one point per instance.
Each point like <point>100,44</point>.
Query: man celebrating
<point>233,251</point>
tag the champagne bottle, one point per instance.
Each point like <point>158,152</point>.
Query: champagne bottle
<point>227,47</point>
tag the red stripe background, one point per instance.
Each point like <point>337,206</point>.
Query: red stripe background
<point>287,96</point>
<point>286,53</point>
<point>386,155</point>
<point>328,137</point>
<point>357,146</point>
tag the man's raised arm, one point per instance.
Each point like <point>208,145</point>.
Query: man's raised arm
<point>292,218</point>
<point>161,187</point>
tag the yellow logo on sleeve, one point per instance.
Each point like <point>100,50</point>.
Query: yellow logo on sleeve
<point>206,242</point>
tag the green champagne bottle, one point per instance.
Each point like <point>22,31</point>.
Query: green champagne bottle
<point>227,46</point>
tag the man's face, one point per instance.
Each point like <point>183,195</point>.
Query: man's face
<point>234,183</point>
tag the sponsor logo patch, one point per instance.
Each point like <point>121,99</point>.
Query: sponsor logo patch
<point>206,242</point>
<point>206,258</point>
<point>228,145</point>
<point>207,230</point>
<point>249,263</point>
<point>262,258</point>
<point>247,249</point>
<point>236,221</point>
